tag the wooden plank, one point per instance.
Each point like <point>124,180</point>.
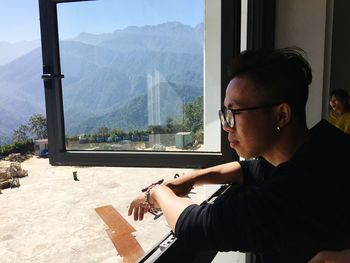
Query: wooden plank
<point>120,233</point>
<point>114,220</point>
<point>127,246</point>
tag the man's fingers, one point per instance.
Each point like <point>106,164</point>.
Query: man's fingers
<point>141,213</point>
<point>138,209</point>
<point>136,213</point>
<point>131,207</point>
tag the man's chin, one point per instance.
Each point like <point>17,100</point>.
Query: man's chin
<point>245,155</point>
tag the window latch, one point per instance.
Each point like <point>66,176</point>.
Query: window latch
<point>49,76</point>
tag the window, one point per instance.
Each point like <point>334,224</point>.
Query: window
<point>135,80</point>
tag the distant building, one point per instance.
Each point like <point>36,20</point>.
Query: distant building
<point>183,140</point>
<point>41,147</point>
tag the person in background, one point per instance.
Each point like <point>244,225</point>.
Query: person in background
<point>339,114</point>
<point>288,200</point>
<point>332,257</point>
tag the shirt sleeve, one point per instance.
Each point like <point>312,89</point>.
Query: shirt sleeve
<point>250,219</point>
<point>255,171</point>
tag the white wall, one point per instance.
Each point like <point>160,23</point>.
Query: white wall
<point>302,23</point>
<point>212,75</point>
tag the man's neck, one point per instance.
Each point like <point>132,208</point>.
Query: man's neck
<point>289,140</point>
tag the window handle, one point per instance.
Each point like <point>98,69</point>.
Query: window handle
<point>49,76</point>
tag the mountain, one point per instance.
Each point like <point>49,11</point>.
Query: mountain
<point>11,51</point>
<point>127,79</point>
<point>166,37</point>
<point>135,113</point>
<point>22,92</point>
<point>124,64</point>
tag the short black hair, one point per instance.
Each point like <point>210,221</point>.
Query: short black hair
<point>279,75</point>
<point>341,94</point>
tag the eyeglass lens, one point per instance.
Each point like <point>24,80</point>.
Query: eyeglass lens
<point>226,116</point>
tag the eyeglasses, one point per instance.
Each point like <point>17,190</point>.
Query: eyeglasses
<point>227,116</point>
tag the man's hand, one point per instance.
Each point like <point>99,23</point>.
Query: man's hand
<point>142,204</point>
<point>332,257</point>
<point>139,207</point>
<point>181,186</point>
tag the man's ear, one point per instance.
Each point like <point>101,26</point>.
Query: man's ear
<point>284,114</point>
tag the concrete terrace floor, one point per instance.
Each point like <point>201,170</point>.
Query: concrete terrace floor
<point>52,218</point>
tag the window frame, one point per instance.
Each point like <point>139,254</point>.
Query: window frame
<point>261,24</point>
<point>58,155</point>
<point>260,33</point>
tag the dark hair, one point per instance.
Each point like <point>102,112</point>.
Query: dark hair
<point>281,75</point>
<point>342,95</point>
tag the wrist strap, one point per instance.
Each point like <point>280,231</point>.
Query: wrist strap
<point>147,191</point>
<point>151,185</point>
<point>148,195</point>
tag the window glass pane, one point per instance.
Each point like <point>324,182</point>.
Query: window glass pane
<point>135,77</point>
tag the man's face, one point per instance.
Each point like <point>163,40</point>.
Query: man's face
<point>254,131</point>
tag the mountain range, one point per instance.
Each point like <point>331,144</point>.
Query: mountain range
<point>22,93</point>
<point>127,79</point>
<point>11,51</point>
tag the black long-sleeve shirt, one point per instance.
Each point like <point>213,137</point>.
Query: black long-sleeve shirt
<point>286,213</point>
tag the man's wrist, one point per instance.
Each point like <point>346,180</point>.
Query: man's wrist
<point>147,190</point>
<point>152,195</point>
<point>156,193</point>
<point>196,177</point>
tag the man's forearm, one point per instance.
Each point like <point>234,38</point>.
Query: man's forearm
<point>227,173</point>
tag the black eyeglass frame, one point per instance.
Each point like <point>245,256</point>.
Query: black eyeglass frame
<point>223,113</point>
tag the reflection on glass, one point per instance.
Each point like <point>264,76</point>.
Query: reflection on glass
<point>138,86</point>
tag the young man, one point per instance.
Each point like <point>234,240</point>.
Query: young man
<point>292,201</point>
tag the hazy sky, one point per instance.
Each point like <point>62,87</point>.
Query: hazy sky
<point>19,20</point>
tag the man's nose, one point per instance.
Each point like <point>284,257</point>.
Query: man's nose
<point>227,128</point>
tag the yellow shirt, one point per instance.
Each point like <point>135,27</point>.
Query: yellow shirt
<point>342,122</point>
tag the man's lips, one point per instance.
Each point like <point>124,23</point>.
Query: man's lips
<point>233,143</point>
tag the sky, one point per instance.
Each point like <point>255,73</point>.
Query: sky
<point>19,20</point>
